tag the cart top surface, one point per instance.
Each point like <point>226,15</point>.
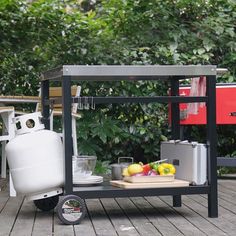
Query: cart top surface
<point>127,72</point>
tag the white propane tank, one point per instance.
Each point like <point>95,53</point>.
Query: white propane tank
<point>35,156</point>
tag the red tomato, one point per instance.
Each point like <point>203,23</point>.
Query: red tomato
<point>146,169</point>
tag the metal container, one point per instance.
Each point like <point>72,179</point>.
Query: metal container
<point>35,157</point>
<point>117,168</point>
<point>189,158</point>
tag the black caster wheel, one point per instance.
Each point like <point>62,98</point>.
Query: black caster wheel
<point>47,204</point>
<point>71,210</point>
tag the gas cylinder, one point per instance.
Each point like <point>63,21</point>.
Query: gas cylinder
<point>35,156</point>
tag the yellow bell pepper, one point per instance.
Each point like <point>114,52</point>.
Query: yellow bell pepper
<point>166,169</point>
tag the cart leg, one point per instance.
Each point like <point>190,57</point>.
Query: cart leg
<point>212,206</point>
<point>177,201</point>
<point>212,147</point>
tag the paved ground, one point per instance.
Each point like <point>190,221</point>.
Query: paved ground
<point>151,216</point>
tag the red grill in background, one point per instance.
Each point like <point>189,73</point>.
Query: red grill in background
<point>225,113</point>
<point>225,107</point>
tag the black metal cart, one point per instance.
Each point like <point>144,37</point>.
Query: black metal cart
<point>174,74</point>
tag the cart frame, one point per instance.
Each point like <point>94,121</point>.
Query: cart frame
<point>174,73</point>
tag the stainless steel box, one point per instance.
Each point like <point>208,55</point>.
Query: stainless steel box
<point>189,158</point>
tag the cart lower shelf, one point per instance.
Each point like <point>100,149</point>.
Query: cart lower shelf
<point>106,190</point>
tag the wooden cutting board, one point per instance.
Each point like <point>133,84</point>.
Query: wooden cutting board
<point>149,179</point>
<point>127,185</point>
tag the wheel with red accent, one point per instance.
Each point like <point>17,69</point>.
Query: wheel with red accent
<point>71,209</point>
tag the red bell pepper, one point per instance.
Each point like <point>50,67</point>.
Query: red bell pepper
<point>146,169</point>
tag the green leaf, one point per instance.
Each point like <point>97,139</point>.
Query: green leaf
<point>142,131</point>
<point>201,51</point>
<point>208,44</point>
<point>163,138</point>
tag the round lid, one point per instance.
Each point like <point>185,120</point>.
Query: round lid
<point>120,165</point>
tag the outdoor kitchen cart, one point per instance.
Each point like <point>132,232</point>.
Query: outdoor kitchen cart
<point>174,73</point>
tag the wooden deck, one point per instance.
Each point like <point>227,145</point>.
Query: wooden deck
<point>151,216</point>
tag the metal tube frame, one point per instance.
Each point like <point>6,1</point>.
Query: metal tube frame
<point>45,106</point>
<point>103,191</point>
<point>140,99</point>
<point>175,124</point>
<point>211,146</point>
<point>67,133</point>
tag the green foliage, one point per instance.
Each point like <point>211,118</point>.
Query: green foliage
<point>102,167</point>
<point>44,34</point>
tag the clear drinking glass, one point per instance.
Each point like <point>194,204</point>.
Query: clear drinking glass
<point>84,165</point>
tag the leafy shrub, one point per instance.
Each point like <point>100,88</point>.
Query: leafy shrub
<point>39,35</point>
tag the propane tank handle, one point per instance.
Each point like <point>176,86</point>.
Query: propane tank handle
<point>28,123</point>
